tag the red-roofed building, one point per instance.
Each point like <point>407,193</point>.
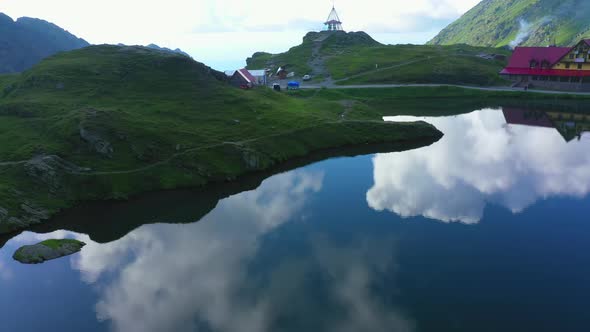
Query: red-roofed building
<point>559,68</point>
<point>243,79</point>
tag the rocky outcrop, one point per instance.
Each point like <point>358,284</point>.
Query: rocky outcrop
<point>50,170</point>
<point>92,134</point>
<point>96,142</point>
<point>47,250</point>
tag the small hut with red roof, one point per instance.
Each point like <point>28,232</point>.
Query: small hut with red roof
<point>243,79</point>
<point>558,68</point>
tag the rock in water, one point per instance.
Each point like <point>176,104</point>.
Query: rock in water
<point>47,250</point>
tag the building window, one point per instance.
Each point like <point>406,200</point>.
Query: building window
<point>579,66</point>
<point>535,78</point>
<point>553,78</point>
<point>575,80</point>
<point>564,79</point>
<point>533,63</point>
<point>572,56</point>
<point>567,65</point>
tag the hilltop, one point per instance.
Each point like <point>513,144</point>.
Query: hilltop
<point>356,58</point>
<point>497,23</point>
<point>28,40</point>
<point>303,59</point>
<point>106,122</point>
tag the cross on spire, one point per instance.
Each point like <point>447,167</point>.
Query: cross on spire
<point>333,22</point>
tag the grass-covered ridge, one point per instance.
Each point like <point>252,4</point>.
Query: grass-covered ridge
<point>497,23</point>
<point>108,122</point>
<point>457,64</point>
<point>355,58</point>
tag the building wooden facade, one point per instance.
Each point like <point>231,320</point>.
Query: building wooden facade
<point>557,68</point>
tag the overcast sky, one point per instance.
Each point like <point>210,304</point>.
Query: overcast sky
<point>222,33</point>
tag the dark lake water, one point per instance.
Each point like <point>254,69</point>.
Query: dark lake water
<point>485,230</point>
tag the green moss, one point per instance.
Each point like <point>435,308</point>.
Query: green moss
<point>47,250</point>
<point>56,244</point>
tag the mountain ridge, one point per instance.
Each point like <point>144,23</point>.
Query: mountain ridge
<point>26,41</point>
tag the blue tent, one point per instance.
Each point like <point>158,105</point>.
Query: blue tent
<point>293,85</point>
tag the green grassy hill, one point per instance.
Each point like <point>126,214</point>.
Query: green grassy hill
<point>298,58</point>
<point>106,122</point>
<point>355,58</point>
<point>418,64</point>
<point>499,23</point>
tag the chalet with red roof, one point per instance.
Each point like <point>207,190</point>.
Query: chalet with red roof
<point>242,78</point>
<point>559,68</point>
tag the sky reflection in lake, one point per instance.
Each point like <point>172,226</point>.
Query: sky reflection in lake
<point>481,160</point>
<point>305,252</point>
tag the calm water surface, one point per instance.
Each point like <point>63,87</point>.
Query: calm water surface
<point>485,230</point>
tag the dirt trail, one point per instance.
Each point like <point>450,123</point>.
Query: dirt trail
<point>317,62</point>
<point>12,163</point>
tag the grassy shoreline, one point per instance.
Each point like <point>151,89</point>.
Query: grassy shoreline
<point>110,122</point>
<point>226,162</point>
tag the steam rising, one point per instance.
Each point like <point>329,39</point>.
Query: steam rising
<point>526,29</point>
<point>523,33</point>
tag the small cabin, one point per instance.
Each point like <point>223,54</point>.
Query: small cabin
<point>282,73</point>
<point>243,79</point>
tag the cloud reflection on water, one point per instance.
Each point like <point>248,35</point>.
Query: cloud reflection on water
<point>480,160</point>
<point>185,277</point>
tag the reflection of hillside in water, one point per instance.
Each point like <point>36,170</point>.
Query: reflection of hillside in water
<point>569,125</point>
<point>215,275</point>
<point>109,221</point>
<point>481,160</point>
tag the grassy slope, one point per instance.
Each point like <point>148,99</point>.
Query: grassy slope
<point>496,23</point>
<point>353,54</point>
<point>438,101</point>
<point>457,64</point>
<point>295,59</point>
<point>166,121</point>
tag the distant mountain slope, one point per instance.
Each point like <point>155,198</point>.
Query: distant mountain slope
<point>520,22</point>
<point>28,40</point>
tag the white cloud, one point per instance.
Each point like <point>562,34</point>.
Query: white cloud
<point>480,160</point>
<point>234,29</point>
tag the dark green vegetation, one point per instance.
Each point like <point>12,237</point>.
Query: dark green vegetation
<point>106,122</point>
<point>355,58</point>
<point>497,23</point>
<point>25,42</point>
<point>47,250</point>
